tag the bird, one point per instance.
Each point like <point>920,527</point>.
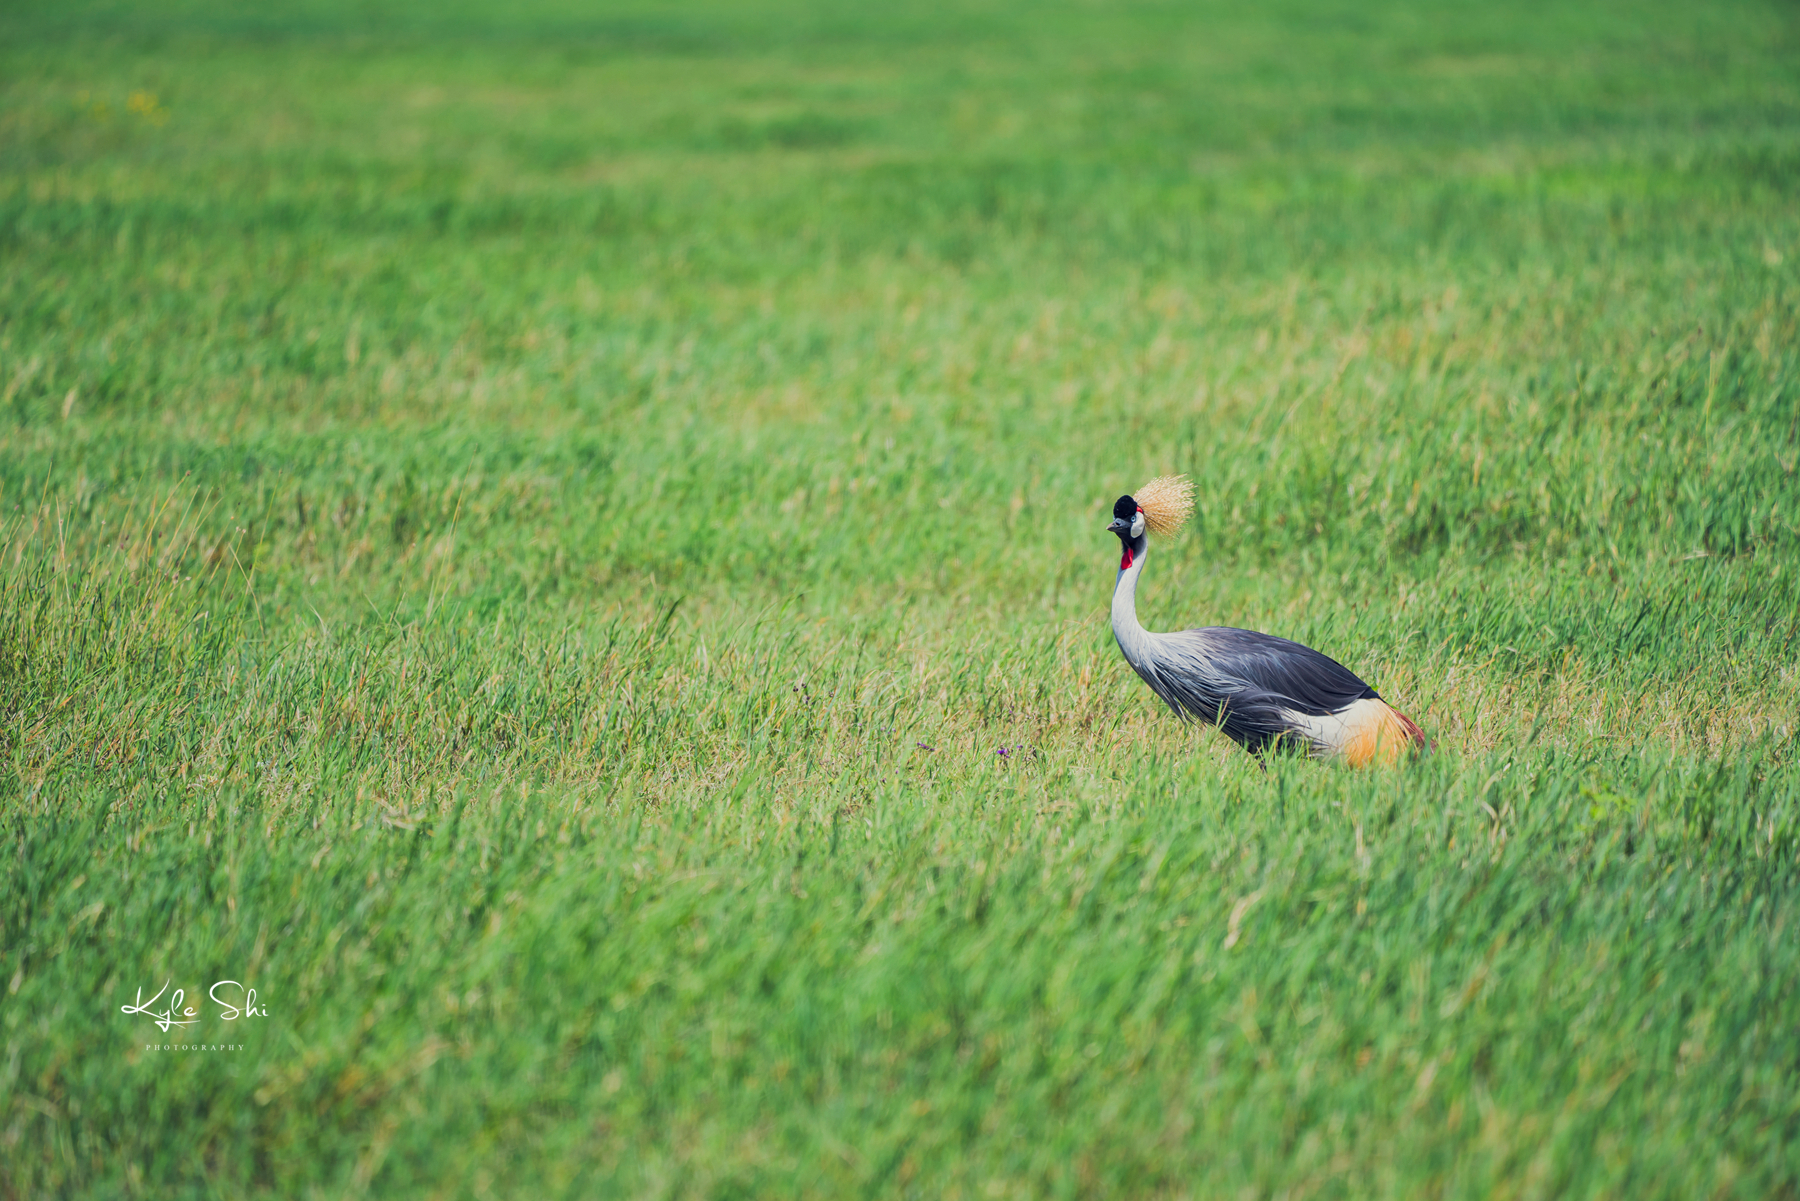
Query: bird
<point>1265,693</point>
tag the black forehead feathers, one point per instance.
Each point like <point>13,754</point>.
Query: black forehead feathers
<point>1125,508</point>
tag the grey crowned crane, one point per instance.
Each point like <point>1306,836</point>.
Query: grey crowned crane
<point>1264,692</point>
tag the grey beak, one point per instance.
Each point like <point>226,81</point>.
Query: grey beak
<point>1119,526</point>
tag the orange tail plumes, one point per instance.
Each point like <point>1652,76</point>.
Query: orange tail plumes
<point>1414,735</point>
<point>1387,736</point>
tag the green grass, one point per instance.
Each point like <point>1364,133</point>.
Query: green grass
<point>525,535</point>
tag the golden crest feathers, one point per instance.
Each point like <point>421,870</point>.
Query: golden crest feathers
<point>1166,503</point>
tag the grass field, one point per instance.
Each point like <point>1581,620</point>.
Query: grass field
<point>565,547</point>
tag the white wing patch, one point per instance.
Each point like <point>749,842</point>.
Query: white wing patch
<point>1353,731</point>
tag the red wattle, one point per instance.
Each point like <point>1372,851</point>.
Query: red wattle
<point>1125,563</point>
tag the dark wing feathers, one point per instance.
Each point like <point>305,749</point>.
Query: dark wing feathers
<point>1300,676</point>
<point>1250,716</point>
<point>1248,683</point>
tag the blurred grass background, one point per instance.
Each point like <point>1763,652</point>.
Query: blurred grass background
<point>527,532</point>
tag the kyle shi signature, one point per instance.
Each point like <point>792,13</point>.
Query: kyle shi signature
<point>177,1013</point>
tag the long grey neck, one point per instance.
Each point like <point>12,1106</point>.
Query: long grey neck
<point>1133,639</point>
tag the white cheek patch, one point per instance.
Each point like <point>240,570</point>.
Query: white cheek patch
<point>1137,525</point>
